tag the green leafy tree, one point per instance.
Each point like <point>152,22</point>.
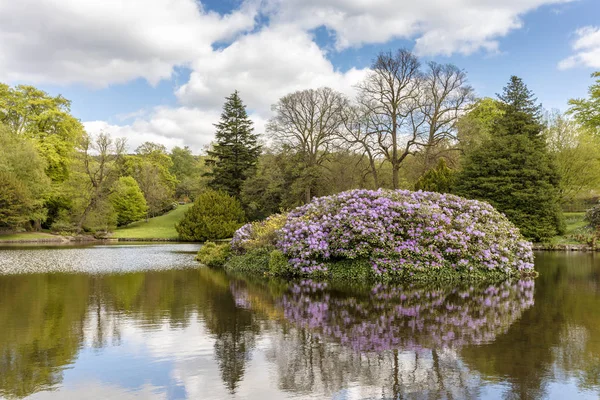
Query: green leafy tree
<point>96,169</point>
<point>189,171</point>
<point>235,153</point>
<point>477,124</point>
<point>513,170</point>
<point>439,179</point>
<point>587,111</point>
<point>16,202</point>
<point>576,152</point>
<point>150,167</point>
<point>21,164</point>
<point>32,113</point>
<point>128,201</point>
<point>214,215</point>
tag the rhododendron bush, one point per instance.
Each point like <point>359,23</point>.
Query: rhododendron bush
<point>399,233</point>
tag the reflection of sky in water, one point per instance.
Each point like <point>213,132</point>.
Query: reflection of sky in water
<point>196,333</point>
<point>167,363</point>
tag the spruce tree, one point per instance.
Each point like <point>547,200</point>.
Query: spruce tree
<point>235,153</point>
<point>513,169</point>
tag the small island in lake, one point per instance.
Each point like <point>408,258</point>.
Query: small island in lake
<point>380,235</point>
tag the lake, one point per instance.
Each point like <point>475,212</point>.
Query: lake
<point>144,321</point>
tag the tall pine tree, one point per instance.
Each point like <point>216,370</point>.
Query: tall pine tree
<point>513,169</point>
<point>235,153</point>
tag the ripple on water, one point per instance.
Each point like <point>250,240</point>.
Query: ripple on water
<point>97,259</point>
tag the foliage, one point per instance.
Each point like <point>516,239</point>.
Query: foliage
<point>19,161</point>
<point>514,171</point>
<point>259,234</point>
<point>401,233</point>
<point>576,153</point>
<point>188,170</point>
<point>255,261</point>
<point>32,113</point>
<point>128,201</point>
<point>439,179</point>
<point>592,216</point>
<point>16,203</point>
<point>214,255</point>
<point>235,153</point>
<point>94,172</point>
<point>214,215</point>
<point>477,125</point>
<point>587,111</point>
<point>150,167</point>
<point>279,264</point>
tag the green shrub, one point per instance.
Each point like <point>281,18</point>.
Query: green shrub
<point>278,264</point>
<point>592,216</point>
<point>255,261</point>
<point>214,215</point>
<point>214,255</point>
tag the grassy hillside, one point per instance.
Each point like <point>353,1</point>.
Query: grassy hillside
<point>162,227</point>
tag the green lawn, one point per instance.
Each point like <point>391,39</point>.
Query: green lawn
<point>162,227</point>
<point>27,236</point>
<point>575,226</point>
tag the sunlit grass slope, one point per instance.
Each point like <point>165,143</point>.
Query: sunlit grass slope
<point>162,227</point>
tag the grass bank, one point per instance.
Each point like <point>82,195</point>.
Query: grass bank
<point>29,237</point>
<point>160,228</point>
<point>576,232</point>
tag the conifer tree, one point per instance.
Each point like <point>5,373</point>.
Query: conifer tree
<point>235,153</point>
<point>513,169</point>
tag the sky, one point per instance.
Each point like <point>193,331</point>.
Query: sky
<point>159,70</point>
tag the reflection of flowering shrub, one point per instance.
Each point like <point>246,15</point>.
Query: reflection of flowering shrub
<point>402,231</point>
<point>408,318</point>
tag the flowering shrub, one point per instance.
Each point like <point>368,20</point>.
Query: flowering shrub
<point>258,234</point>
<point>408,318</point>
<point>401,233</point>
<point>592,216</point>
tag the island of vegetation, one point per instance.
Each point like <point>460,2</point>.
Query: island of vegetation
<point>380,235</point>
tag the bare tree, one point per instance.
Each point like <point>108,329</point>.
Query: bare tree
<point>360,136</point>
<point>390,93</point>
<point>309,122</point>
<point>444,97</point>
<point>99,157</point>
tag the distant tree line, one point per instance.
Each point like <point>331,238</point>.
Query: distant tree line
<point>409,125</point>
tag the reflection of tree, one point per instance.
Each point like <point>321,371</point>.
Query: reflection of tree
<point>46,318</point>
<point>559,336</point>
<point>41,320</point>
<point>235,329</point>
<point>395,341</point>
<point>306,365</point>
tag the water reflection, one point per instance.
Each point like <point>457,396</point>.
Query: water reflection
<point>198,333</point>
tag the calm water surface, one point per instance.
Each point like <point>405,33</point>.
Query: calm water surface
<point>143,321</point>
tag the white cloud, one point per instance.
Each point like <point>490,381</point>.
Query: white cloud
<point>103,42</point>
<point>263,66</point>
<point>446,27</point>
<point>180,126</point>
<point>114,41</point>
<point>586,47</point>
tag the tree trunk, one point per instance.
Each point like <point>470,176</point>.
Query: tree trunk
<point>307,195</point>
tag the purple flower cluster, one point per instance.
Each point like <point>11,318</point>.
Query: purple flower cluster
<point>400,231</point>
<point>392,317</point>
